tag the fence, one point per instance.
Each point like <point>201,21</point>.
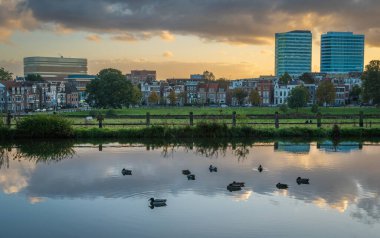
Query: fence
<point>276,120</point>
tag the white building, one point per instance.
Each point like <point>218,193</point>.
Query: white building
<point>282,92</point>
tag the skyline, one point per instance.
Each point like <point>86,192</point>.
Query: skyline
<point>234,40</point>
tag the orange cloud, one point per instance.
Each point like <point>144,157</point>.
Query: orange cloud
<point>167,54</point>
<point>167,36</point>
<point>93,37</point>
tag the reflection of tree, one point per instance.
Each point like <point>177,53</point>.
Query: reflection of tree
<point>46,151</point>
<point>241,151</point>
<point>4,156</point>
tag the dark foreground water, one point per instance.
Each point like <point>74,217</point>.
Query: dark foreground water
<point>77,190</point>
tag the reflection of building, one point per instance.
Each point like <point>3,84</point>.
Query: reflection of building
<point>295,148</point>
<point>54,69</point>
<point>293,53</point>
<point>346,146</point>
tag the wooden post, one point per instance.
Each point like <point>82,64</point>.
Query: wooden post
<point>191,117</point>
<point>100,147</point>
<point>147,119</point>
<point>101,123</point>
<point>233,118</point>
<point>276,121</point>
<point>319,121</point>
<point>361,119</point>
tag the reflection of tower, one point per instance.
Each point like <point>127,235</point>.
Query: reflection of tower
<point>346,146</point>
<point>294,148</point>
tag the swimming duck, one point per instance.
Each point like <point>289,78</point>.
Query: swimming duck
<point>157,202</point>
<point>240,184</point>
<point>191,177</point>
<point>282,186</point>
<point>302,180</point>
<point>260,168</point>
<point>233,187</point>
<point>213,168</point>
<point>126,172</point>
<point>186,172</point>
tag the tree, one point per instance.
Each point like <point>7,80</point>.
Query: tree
<point>5,75</point>
<point>223,83</point>
<point>325,93</point>
<point>33,77</point>
<point>355,93</point>
<point>109,90</point>
<point>371,82</point>
<point>240,95</point>
<point>153,98</point>
<point>208,76</point>
<point>285,79</point>
<point>298,97</point>
<point>136,95</point>
<point>172,98</point>
<point>307,78</point>
<point>254,97</point>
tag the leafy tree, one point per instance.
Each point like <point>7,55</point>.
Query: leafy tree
<point>355,93</point>
<point>5,75</point>
<point>254,97</point>
<point>371,82</point>
<point>223,83</point>
<point>298,97</point>
<point>136,95</point>
<point>153,98</point>
<point>172,97</point>
<point>240,95</point>
<point>325,93</point>
<point>109,90</point>
<point>33,77</point>
<point>307,78</point>
<point>209,76</point>
<point>285,79</point>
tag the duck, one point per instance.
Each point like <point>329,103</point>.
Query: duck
<point>302,180</point>
<point>186,172</point>
<point>126,172</point>
<point>240,184</point>
<point>233,187</point>
<point>260,168</point>
<point>157,202</point>
<point>213,168</point>
<point>191,177</point>
<point>282,186</point>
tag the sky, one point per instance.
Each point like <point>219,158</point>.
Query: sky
<point>233,39</point>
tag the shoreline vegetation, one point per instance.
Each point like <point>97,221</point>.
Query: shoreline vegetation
<point>53,126</point>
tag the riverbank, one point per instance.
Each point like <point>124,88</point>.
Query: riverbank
<point>201,131</point>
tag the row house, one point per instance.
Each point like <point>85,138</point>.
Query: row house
<point>20,96</point>
<point>211,93</point>
<point>148,88</point>
<point>282,92</point>
<point>3,97</point>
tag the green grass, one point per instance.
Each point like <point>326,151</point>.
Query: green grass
<point>228,111</point>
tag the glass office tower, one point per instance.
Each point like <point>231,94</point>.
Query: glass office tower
<point>342,52</point>
<point>293,53</point>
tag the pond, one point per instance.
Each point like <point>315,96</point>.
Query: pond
<point>76,189</point>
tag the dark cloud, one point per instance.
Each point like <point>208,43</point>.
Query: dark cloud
<point>239,21</point>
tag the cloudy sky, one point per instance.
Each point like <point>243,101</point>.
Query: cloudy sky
<point>175,37</point>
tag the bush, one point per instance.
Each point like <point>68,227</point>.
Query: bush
<point>94,113</point>
<point>44,126</point>
<point>314,108</point>
<point>284,108</point>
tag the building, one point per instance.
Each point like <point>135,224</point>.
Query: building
<point>80,82</point>
<point>342,52</point>
<point>142,76</point>
<point>3,97</point>
<point>282,92</point>
<point>293,53</point>
<point>20,96</point>
<point>54,69</point>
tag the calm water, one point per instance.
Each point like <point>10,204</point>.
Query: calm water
<point>77,190</point>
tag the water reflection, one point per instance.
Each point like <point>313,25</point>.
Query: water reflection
<point>345,181</point>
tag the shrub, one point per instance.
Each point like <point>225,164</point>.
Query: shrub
<point>314,108</point>
<point>44,126</point>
